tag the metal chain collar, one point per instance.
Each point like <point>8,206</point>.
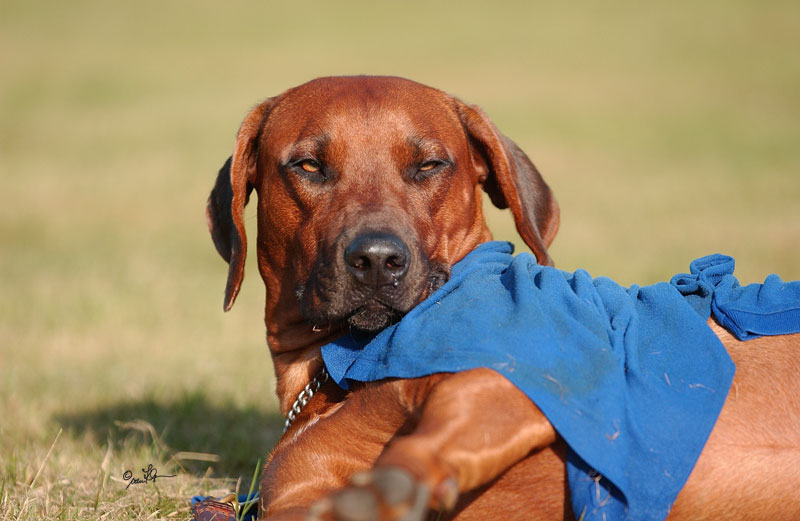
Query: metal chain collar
<point>305,395</point>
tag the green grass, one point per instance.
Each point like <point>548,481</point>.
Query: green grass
<point>667,131</point>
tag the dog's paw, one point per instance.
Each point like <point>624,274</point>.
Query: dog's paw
<point>381,494</point>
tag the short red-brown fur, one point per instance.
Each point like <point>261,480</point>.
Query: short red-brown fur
<point>473,428</point>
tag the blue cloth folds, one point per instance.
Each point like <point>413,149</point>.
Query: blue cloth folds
<point>631,378</point>
<point>755,310</point>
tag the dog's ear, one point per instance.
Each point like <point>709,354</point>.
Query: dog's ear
<point>511,181</point>
<point>225,208</point>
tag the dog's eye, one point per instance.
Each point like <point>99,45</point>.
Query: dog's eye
<point>429,168</point>
<point>309,169</point>
<point>309,165</point>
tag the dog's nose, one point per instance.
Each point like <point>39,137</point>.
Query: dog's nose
<point>377,259</point>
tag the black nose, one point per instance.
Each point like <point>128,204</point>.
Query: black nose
<point>377,259</point>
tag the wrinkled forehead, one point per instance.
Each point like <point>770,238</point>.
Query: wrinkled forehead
<point>363,111</point>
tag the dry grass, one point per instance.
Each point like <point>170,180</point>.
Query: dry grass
<point>667,132</point>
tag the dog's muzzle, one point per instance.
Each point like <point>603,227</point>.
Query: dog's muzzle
<point>368,279</point>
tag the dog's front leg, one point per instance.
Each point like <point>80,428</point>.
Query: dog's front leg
<point>330,443</point>
<point>472,427</point>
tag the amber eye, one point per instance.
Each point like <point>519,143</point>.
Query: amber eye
<point>308,169</point>
<point>309,166</point>
<point>428,166</point>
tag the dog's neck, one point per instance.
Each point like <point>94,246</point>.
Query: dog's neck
<point>294,343</point>
<point>295,347</point>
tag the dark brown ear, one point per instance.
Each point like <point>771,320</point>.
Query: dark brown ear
<point>225,208</point>
<point>512,182</point>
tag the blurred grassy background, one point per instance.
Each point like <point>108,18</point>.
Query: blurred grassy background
<point>667,130</point>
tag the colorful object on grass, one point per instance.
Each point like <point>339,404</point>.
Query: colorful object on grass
<point>227,508</point>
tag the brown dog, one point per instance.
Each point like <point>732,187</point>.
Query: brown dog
<point>369,189</point>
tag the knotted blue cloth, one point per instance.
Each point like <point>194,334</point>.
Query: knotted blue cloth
<point>631,378</point>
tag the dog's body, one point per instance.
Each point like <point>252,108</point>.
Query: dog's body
<point>369,191</point>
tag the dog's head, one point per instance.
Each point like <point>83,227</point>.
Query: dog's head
<point>369,189</point>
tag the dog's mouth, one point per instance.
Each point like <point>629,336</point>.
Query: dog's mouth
<point>374,316</point>
<point>377,314</point>
<point>354,309</point>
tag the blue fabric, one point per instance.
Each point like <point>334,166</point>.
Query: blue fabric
<point>631,378</point>
<point>771,308</point>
